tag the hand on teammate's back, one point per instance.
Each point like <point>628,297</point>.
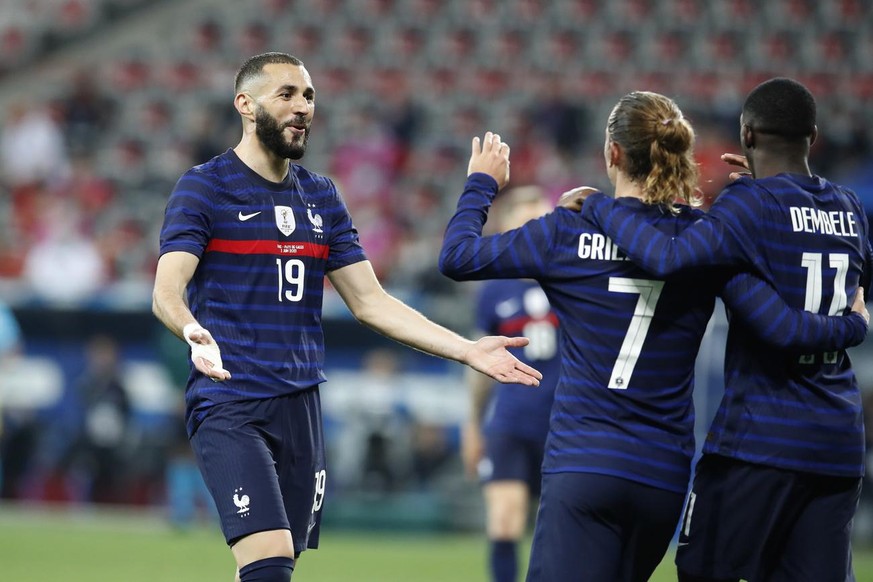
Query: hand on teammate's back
<point>859,305</point>
<point>739,161</point>
<point>575,198</point>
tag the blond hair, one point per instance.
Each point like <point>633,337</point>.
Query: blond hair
<point>658,145</point>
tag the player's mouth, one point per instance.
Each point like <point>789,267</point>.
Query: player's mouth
<point>297,129</point>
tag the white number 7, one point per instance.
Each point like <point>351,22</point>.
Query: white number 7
<point>649,292</point>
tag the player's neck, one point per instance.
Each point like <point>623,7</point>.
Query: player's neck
<point>766,166</point>
<point>266,164</point>
<point>625,187</point>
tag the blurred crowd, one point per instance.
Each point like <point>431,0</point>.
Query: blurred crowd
<point>86,165</point>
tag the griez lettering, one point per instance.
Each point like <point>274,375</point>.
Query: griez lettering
<point>598,247</point>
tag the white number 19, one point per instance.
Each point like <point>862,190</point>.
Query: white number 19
<point>291,273</point>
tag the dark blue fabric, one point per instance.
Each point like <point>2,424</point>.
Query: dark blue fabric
<point>601,529</point>
<point>278,569</point>
<point>504,561</point>
<point>263,462</point>
<point>264,250</point>
<point>808,238</point>
<point>759,523</point>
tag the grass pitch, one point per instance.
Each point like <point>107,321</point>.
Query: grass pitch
<point>83,546</point>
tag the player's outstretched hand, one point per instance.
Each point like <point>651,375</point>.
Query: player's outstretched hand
<point>739,161</point>
<point>859,306</point>
<point>575,198</point>
<point>490,356</point>
<point>204,352</point>
<point>490,156</point>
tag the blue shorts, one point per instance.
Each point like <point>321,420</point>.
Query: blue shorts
<point>756,522</point>
<point>263,461</point>
<point>512,458</point>
<point>600,528</point>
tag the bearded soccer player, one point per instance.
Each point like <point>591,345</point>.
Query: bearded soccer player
<point>247,241</point>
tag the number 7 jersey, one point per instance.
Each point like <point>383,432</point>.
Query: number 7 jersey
<point>264,251</point>
<point>808,238</point>
<point>628,339</point>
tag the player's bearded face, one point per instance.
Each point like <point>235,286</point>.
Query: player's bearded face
<point>272,134</point>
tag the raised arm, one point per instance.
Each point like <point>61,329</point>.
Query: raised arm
<point>373,306</point>
<point>719,237</point>
<point>466,254</point>
<point>760,308</point>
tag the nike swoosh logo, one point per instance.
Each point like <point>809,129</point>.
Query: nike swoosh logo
<point>245,217</point>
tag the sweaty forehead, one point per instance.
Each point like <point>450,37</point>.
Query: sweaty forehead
<point>277,75</point>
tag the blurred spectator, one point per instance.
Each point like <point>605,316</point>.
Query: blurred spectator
<point>100,452</point>
<point>87,190</point>
<point>561,120</point>
<point>373,450</point>
<point>10,333</point>
<point>365,167</point>
<point>18,430</point>
<point>86,112</point>
<point>31,145</point>
<point>65,267</point>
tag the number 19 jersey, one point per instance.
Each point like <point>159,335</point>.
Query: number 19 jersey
<point>264,249</point>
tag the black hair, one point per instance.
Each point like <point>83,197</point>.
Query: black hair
<point>781,107</point>
<point>255,65</point>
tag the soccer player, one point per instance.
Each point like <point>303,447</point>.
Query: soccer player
<point>247,240</point>
<point>776,490</point>
<point>620,442</point>
<point>504,438</point>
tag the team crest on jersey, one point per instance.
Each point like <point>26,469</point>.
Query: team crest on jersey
<point>285,220</point>
<point>242,503</point>
<point>316,220</point>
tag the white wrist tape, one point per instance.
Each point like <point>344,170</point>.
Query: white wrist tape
<point>208,352</point>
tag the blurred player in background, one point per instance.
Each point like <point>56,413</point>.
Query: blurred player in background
<point>246,243</point>
<point>504,438</point>
<point>621,435</point>
<point>776,490</point>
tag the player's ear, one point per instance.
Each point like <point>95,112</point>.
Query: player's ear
<point>614,154</point>
<point>748,136</point>
<point>814,134</point>
<point>245,105</point>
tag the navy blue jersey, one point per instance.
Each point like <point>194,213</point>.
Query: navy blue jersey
<point>512,308</point>
<point>809,239</point>
<point>628,340</point>
<point>264,250</point>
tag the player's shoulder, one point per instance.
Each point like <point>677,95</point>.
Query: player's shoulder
<point>212,167</point>
<point>312,181</point>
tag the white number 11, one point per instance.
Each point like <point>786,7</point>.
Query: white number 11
<point>814,265</point>
<point>649,292</point>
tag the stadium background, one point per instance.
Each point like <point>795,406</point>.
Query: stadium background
<point>106,102</point>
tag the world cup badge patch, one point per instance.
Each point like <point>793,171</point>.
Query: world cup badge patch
<point>285,220</point>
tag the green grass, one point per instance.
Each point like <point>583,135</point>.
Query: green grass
<point>95,547</point>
